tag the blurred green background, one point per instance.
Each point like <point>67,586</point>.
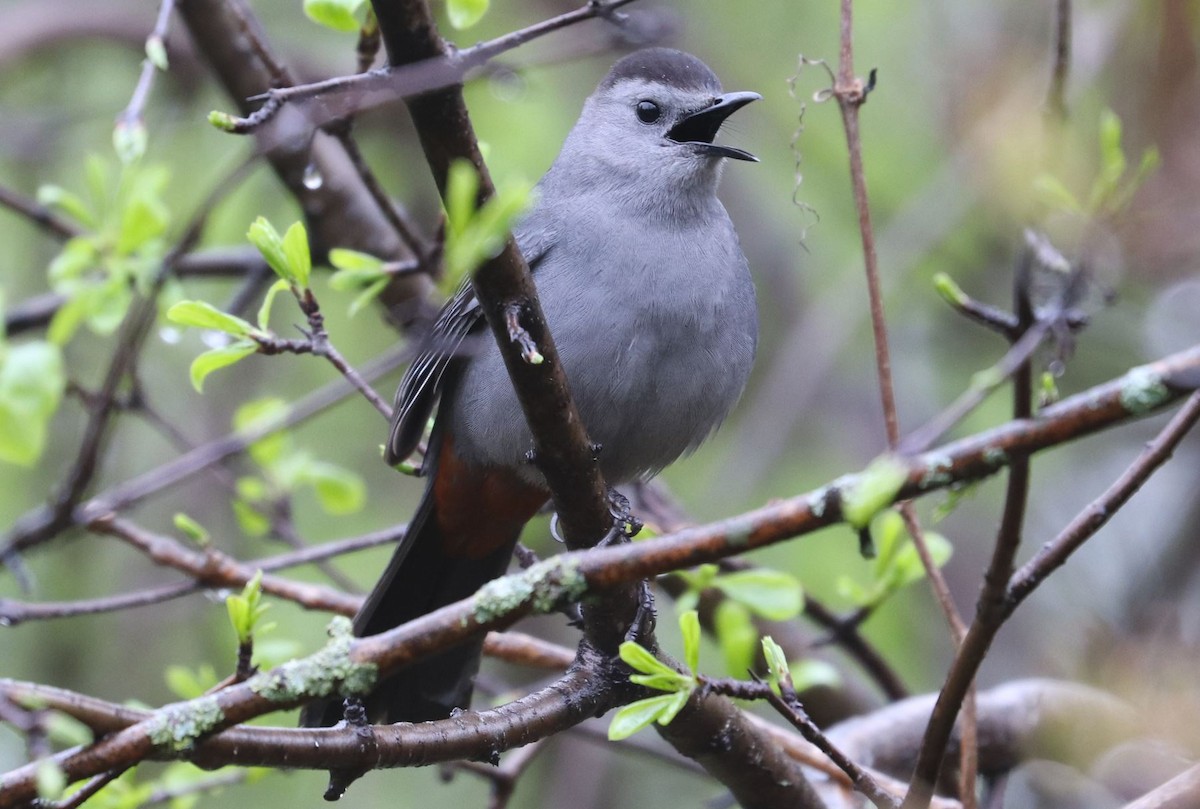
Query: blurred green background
<point>953,136</point>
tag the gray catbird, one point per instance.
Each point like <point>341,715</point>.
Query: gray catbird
<point>650,302</point>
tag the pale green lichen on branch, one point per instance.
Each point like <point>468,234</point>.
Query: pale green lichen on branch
<point>937,472</point>
<point>328,671</point>
<point>1142,390</point>
<point>545,586</point>
<point>178,727</point>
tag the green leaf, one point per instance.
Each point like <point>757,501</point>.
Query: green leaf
<point>251,489</point>
<point>77,256</point>
<point>156,52</point>
<point>218,358</point>
<point>246,609</point>
<point>107,304</point>
<point>663,682</point>
<point>673,707</point>
<point>339,491</point>
<point>462,190</point>
<point>954,496</point>
<point>736,635</point>
<point>202,315</point>
<point>353,279</point>
<point>1055,195</point>
<point>252,521</point>
<point>1146,166</point>
<point>223,121</point>
<point>340,15</point>
<point>262,234</point>
<point>191,529</point>
<point>638,658</point>
<point>776,660</point>
<point>473,237</point>
<point>99,179</point>
<point>70,203</point>
<point>369,294</point>
<point>856,594</point>
<point>772,594</point>
<point>265,416</point>
<point>32,381</point>
<point>129,140</point>
<point>1112,156</point>
<point>188,684</point>
<point>353,261</point>
<point>889,533</point>
<point>908,567</point>
<point>143,219</point>
<point>875,489</point>
<point>465,13</point>
<point>67,730</point>
<point>264,311</point>
<point>637,715</point>
<point>51,780</point>
<point>295,249</point>
<point>689,628</point>
<point>699,578</point>
<point>68,319</point>
<point>948,289</point>
<point>812,673</point>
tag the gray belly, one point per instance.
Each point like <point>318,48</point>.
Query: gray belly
<point>652,371</point>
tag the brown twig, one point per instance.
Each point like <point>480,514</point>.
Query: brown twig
<point>1056,101</point>
<point>39,214</point>
<point>788,705</point>
<point>409,79</point>
<point>844,632</point>
<point>851,93</point>
<point>34,527</point>
<point>214,568</point>
<point>131,116</point>
<point>318,344</point>
<point>1024,581</point>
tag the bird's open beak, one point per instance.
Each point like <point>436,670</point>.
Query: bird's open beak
<point>700,127</point>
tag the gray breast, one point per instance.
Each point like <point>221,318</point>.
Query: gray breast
<point>657,340</point>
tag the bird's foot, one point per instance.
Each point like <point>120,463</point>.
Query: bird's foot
<point>626,526</point>
<point>645,619</point>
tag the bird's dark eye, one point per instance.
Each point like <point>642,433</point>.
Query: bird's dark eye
<point>648,112</point>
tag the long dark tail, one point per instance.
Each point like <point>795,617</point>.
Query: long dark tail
<point>420,578</point>
<point>461,537</point>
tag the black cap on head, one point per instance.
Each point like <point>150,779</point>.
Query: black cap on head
<point>671,67</point>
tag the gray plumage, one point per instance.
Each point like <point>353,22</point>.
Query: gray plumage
<point>646,291</point>
<point>641,277</point>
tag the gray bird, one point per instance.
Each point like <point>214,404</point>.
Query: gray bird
<point>647,293</point>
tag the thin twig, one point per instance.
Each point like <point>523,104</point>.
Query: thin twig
<point>85,792</point>
<point>36,526</point>
<point>1024,581</point>
<point>851,93</point>
<point>1055,553</point>
<point>318,344</point>
<point>396,217</point>
<point>214,568</point>
<point>39,214</point>
<point>844,632</point>
<point>131,116</point>
<point>15,612</point>
<point>1056,101</point>
<point>984,383</point>
<point>406,81</point>
<point>788,705</point>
